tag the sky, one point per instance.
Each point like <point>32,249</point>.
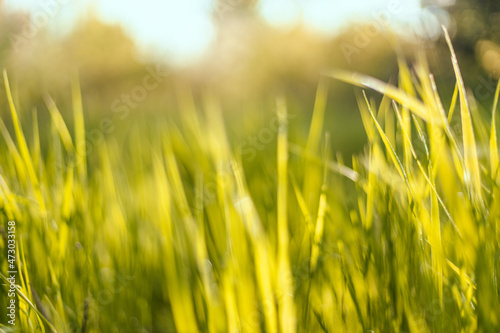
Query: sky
<point>184,29</point>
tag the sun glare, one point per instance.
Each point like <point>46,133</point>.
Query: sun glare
<point>182,30</point>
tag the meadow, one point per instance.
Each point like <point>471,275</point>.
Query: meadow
<point>175,226</point>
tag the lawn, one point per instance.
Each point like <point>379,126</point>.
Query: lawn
<point>175,226</point>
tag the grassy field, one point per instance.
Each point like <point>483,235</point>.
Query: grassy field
<point>175,227</point>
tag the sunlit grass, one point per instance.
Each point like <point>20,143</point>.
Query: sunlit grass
<point>171,230</point>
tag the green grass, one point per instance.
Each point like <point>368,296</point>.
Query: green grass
<point>171,229</point>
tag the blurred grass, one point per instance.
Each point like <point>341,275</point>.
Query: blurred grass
<point>181,225</point>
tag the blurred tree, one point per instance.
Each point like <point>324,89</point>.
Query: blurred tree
<point>475,28</point>
<point>478,34</point>
<point>476,20</point>
<point>227,8</point>
<point>103,55</point>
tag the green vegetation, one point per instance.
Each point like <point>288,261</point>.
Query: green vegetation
<point>174,227</point>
